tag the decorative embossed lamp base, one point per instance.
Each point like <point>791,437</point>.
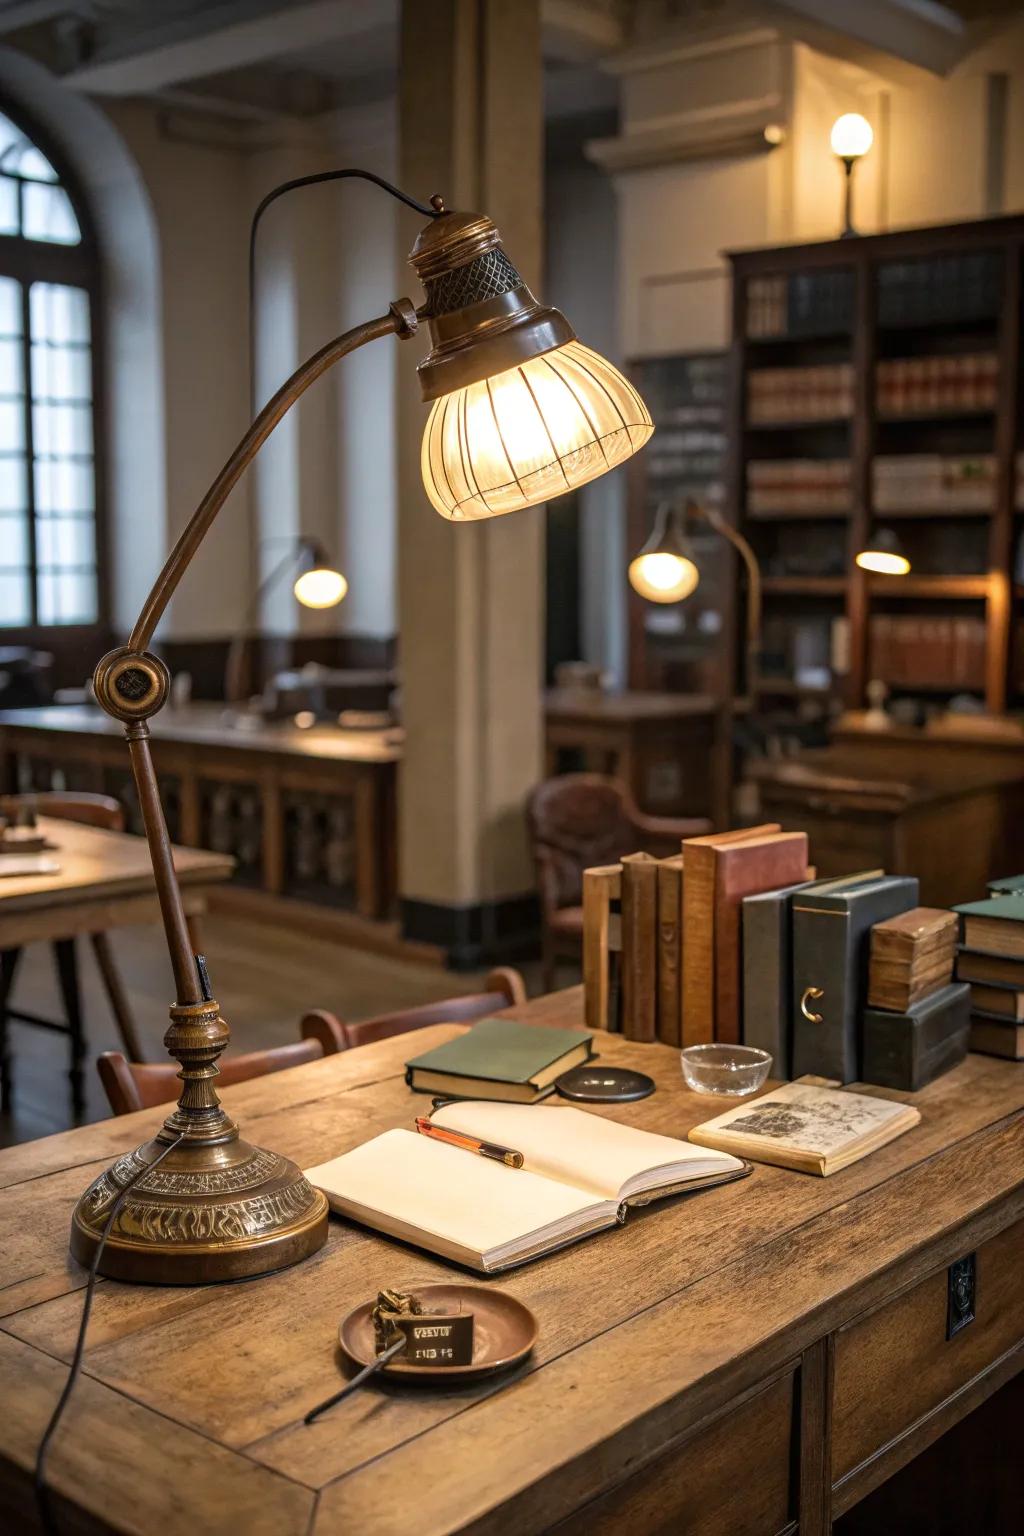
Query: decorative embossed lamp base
<point>208,1213</point>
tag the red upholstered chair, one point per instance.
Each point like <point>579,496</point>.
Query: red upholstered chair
<point>503,988</point>
<point>131,1085</point>
<point>576,821</point>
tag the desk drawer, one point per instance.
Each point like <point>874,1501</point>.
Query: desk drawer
<point>732,1476</point>
<point>896,1366</point>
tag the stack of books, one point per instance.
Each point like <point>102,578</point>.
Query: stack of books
<point>991,959</point>
<point>919,386</point>
<point>912,955</point>
<point>916,1024</point>
<point>777,396</point>
<point>934,482</point>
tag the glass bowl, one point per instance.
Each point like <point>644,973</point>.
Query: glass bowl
<point>732,1070</point>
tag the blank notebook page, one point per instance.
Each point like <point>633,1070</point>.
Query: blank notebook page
<point>465,1199</point>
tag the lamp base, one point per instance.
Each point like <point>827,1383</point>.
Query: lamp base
<point>212,1211</point>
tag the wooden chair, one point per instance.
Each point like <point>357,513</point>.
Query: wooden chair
<point>94,811</point>
<point>131,1085</point>
<point>578,820</point>
<point>504,988</point>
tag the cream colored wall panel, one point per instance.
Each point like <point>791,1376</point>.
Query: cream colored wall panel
<point>688,313</point>
<point>936,162</point>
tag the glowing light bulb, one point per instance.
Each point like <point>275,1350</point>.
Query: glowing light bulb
<point>852,136</point>
<point>320,588</point>
<point>662,577</point>
<point>883,562</point>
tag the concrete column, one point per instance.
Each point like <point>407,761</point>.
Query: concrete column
<point>470,597</point>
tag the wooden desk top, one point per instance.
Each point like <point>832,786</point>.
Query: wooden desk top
<point>843,773</point>
<point>624,708</point>
<point>189,1414</point>
<point>1004,732</point>
<point>98,864</point>
<point>204,725</point>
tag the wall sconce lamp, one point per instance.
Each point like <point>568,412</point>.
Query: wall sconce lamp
<point>521,412</point>
<point>666,570</point>
<point>884,554</point>
<point>852,136</point>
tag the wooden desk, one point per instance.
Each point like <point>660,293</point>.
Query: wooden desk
<point>672,749</point>
<point>105,881</point>
<point>955,824</point>
<point>755,1355</point>
<point>306,814</point>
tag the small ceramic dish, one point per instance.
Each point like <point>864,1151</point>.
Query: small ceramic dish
<point>504,1333</point>
<point>732,1070</point>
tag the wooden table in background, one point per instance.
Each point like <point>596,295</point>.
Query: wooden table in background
<point>672,749</point>
<point>757,1355</point>
<point>105,881</point>
<point>306,814</point>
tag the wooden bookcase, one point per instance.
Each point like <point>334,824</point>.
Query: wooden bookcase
<point>916,337</point>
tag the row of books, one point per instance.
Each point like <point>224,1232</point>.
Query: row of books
<point>910,651</point>
<point>991,961</point>
<point>940,289</point>
<point>798,485</point>
<point>776,396</point>
<point>934,482</point>
<point>799,304</point>
<point>918,386</point>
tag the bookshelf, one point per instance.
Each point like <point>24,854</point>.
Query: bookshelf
<point>875,381</point>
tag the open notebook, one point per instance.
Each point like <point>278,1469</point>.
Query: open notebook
<point>579,1174</point>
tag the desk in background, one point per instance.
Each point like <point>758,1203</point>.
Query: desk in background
<point>672,749</point>
<point>307,814</point>
<point>738,1360</point>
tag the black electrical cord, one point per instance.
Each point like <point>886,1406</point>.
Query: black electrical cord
<point>46,1518</point>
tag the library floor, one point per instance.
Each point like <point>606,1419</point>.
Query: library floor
<point>264,978</point>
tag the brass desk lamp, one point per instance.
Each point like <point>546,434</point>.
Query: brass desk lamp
<point>521,412</point>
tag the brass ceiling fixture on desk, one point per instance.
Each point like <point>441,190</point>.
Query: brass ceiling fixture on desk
<point>521,413</point>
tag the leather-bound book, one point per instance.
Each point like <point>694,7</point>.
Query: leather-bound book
<point>670,950</point>
<point>699,886</point>
<point>746,869</point>
<point>639,946</point>
<point>911,955</point>
<point>997,1037</point>
<point>831,947</point>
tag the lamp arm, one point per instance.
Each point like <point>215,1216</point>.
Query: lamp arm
<point>732,536</point>
<point>132,685</point>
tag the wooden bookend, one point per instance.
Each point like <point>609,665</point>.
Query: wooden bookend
<point>639,946</point>
<point>670,950</point>
<point>601,887</point>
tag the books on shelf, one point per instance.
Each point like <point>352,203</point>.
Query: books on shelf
<point>921,386</point>
<point>811,1129</point>
<point>800,304</point>
<point>777,396</point>
<point>798,485</point>
<point>580,1174</point>
<point>910,651</point>
<point>499,1059</point>
<point>941,289</point>
<point>934,482</point>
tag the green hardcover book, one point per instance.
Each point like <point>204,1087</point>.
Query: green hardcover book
<point>1009,885</point>
<point>995,926</point>
<point>500,1059</point>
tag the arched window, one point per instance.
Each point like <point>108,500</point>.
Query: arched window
<point>50,567</point>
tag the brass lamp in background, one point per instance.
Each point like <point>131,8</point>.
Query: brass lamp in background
<point>884,554</point>
<point>851,138</point>
<point>666,571</point>
<point>318,585</point>
<point>521,412</point>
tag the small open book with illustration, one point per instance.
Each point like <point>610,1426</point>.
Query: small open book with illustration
<point>579,1174</point>
<point>814,1130</point>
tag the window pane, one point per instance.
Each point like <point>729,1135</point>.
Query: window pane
<point>8,207</point>
<point>65,541</point>
<point>10,306</point>
<point>12,425</point>
<point>58,313</point>
<point>13,490</point>
<point>48,215</point>
<point>14,598</point>
<point>67,597</point>
<point>64,485</point>
<point>11,381</point>
<point>13,541</point>
<point>61,429</point>
<point>61,373</point>
<point>32,162</point>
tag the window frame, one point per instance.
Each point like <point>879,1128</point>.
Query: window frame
<point>79,266</point>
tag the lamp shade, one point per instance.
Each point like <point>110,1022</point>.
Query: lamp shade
<point>852,136</point>
<point>884,555</point>
<point>530,433</point>
<point>320,587</point>
<point>665,571</point>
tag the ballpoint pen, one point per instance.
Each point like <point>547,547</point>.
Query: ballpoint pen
<point>506,1155</point>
